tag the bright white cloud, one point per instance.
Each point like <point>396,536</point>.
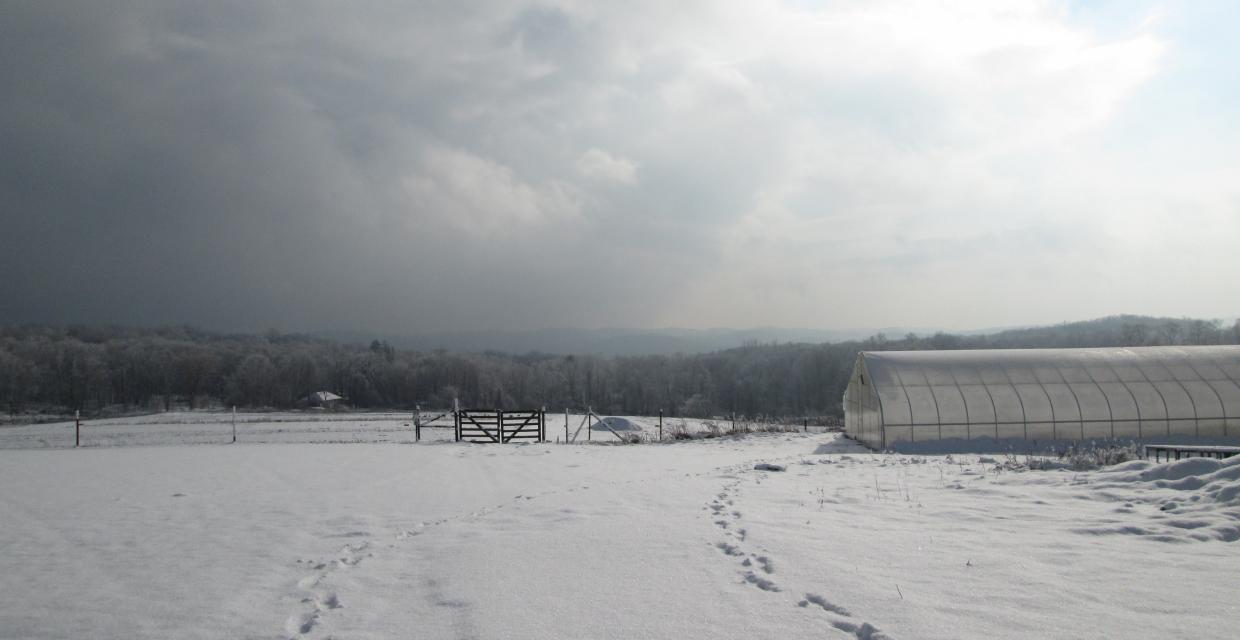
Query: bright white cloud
<point>600,165</point>
<point>480,196</point>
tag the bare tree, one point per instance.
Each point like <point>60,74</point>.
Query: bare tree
<point>1169,332</point>
<point>1135,334</point>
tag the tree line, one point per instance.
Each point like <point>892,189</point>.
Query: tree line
<point>121,369</point>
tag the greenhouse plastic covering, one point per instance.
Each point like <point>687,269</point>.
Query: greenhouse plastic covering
<point>1044,394</point>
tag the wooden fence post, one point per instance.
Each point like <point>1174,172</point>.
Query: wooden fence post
<point>417,423</point>
<point>77,427</point>
<point>565,425</point>
<point>660,425</point>
<point>589,427</point>
<point>456,417</point>
<point>805,427</point>
<point>234,424</point>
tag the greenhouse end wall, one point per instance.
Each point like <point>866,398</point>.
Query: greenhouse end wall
<point>1044,394</point>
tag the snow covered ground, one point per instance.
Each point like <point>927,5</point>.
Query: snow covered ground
<point>216,427</point>
<point>684,540</point>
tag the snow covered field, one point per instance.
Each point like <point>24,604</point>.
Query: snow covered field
<point>676,540</point>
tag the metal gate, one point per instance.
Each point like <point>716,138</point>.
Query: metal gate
<point>500,426</point>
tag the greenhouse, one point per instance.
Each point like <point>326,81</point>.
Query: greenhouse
<point>1044,394</point>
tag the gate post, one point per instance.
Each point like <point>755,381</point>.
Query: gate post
<point>456,418</point>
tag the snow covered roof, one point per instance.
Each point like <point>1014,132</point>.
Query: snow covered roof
<point>324,396</point>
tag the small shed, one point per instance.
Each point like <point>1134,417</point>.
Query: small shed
<point>1044,394</point>
<point>323,400</point>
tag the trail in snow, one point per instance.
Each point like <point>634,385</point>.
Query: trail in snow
<point>757,568</point>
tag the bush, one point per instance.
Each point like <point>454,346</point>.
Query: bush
<point>1085,458</point>
<point>1075,457</point>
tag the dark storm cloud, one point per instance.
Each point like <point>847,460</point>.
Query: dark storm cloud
<point>243,166</point>
<point>415,167</point>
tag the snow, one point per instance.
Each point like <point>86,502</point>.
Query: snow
<point>216,427</point>
<point>615,423</point>
<point>687,539</point>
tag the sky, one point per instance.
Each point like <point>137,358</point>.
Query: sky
<point>446,166</point>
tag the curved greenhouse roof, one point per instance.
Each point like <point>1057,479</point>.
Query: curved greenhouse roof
<point>1044,394</point>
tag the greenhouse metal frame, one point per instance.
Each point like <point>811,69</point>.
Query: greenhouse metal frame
<point>1044,394</point>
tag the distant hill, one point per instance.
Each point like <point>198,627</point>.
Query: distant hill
<point>612,341</point>
<point>1118,330</point>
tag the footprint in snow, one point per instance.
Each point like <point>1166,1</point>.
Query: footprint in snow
<point>326,601</point>
<point>760,582</point>
<point>863,631</point>
<point>815,599</point>
<point>300,624</point>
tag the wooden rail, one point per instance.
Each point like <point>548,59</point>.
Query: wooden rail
<point>500,426</point>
